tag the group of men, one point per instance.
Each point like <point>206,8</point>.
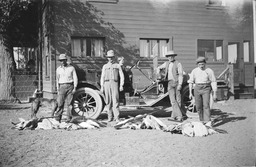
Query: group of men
<point>202,80</point>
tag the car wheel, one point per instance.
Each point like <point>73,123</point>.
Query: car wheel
<point>88,103</point>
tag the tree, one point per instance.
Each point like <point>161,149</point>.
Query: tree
<point>10,13</point>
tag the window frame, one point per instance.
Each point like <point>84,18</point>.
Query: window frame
<point>169,46</point>
<point>214,51</point>
<point>82,39</point>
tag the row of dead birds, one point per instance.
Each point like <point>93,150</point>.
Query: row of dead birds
<point>145,121</point>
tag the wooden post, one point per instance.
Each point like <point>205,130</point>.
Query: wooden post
<point>155,65</point>
<point>231,82</point>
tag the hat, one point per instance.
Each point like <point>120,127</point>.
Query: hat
<point>200,59</point>
<point>170,53</point>
<point>63,57</point>
<point>110,53</point>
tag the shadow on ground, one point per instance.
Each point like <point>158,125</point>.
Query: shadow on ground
<point>221,118</point>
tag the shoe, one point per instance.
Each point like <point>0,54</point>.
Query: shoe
<point>175,119</point>
<point>117,120</point>
<point>209,124</point>
<point>109,120</point>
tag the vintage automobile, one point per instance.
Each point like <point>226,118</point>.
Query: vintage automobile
<point>141,90</point>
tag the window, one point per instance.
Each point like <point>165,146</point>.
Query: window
<point>212,50</point>
<point>154,47</point>
<point>25,59</point>
<point>87,47</point>
<point>216,3</point>
<point>246,51</point>
<point>233,50</point>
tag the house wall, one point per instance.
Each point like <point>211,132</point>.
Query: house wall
<point>125,22</point>
<point>184,20</point>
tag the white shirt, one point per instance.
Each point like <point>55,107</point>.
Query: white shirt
<point>66,75</point>
<point>206,76</point>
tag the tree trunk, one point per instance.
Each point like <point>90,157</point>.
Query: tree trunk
<point>6,71</point>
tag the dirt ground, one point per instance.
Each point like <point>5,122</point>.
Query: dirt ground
<point>108,147</point>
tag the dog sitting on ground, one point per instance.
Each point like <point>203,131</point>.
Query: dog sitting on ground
<point>38,102</point>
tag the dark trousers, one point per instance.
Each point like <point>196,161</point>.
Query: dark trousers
<point>202,100</point>
<point>65,93</point>
<point>175,98</point>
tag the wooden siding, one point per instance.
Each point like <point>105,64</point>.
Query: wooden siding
<point>124,23</point>
<point>185,21</point>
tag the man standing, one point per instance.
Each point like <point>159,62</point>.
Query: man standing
<point>111,72</point>
<point>66,79</point>
<point>205,82</point>
<point>174,75</point>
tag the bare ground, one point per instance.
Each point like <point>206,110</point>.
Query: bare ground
<point>108,147</point>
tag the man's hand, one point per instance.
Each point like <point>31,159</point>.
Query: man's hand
<point>214,96</point>
<point>74,90</point>
<point>190,96</point>
<point>179,87</point>
<point>121,88</point>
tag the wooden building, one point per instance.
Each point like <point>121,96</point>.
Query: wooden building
<point>220,30</point>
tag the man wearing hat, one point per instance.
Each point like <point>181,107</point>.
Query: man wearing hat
<point>66,79</point>
<point>112,81</point>
<point>174,76</point>
<point>205,82</point>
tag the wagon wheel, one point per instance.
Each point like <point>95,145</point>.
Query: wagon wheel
<point>88,103</point>
<point>188,105</point>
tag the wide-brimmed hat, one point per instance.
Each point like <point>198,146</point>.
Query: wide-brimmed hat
<point>200,59</point>
<point>170,53</point>
<point>110,53</point>
<point>63,57</point>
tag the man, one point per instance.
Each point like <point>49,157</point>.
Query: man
<point>174,75</point>
<point>205,82</point>
<point>66,79</point>
<point>111,72</point>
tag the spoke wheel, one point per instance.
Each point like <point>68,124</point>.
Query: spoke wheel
<point>187,104</point>
<point>88,103</point>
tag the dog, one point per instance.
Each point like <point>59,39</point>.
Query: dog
<point>38,102</point>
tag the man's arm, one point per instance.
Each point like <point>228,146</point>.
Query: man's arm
<point>75,78</point>
<point>102,77</point>
<point>180,76</point>
<point>57,79</point>
<point>121,74</point>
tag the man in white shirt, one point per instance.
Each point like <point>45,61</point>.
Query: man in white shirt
<point>174,76</point>
<point>66,80</point>
<point>112,74</point>
<point>205,82</point>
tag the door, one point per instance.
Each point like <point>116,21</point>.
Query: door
<point>236,58</point>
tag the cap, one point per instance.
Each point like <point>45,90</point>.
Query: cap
<point>200,59</point>
<point>62,57</point>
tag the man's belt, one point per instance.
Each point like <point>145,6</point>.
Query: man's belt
<point>203,84</point>
<point>67,83</point>
<point>110,80</point>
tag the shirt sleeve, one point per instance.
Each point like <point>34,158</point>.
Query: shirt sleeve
<point>57,78</point>
<point>121,74</point>
<point>180,73</point>
<point>192,77</point>
<point>102,76</point>
<point>75,78</point>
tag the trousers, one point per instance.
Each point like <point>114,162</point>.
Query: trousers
<point>202,100</point>
<point>65,93</point>
<point>111,92</point>
<point>175,99</point>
